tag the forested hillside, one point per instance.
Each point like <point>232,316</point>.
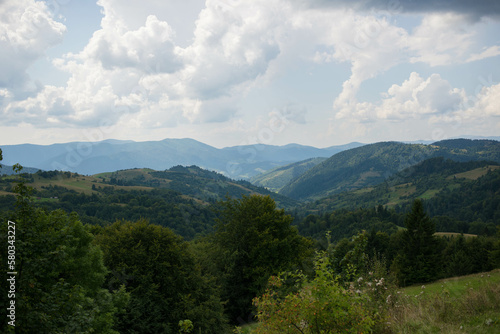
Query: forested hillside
<point>187,250</point>
<point>433,180</point>
<point>181,198</point>
<point>372,164</point>
<point>279,177</point>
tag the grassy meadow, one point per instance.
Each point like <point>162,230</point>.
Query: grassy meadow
<point>466,304</point>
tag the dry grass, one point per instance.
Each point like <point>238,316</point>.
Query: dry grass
<point>471,310</point>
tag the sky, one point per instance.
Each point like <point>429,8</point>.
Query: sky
<point>239,72</point>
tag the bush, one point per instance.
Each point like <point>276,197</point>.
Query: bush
<point>320,306</point>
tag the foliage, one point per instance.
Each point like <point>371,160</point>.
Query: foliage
<point>192,181</point>
<point>185,326</point>
<point>164,281</point>
<point>417,261</point>
<point>370,165</point>
<point>163,207</point>
<point>319,306</point>
<point>450,188</point>
<point>60,273</point>
<point>253,241</point>
<point>344,223</point>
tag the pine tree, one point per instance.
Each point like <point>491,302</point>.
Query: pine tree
<point>417,260</point>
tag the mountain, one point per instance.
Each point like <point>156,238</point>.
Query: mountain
<point>238,162</point>
<point>372,164</point>
<point>191,181</point>
<point>430,179</point>
<point>181,198</point>
<point>277,178</point>
<point>7,170</point>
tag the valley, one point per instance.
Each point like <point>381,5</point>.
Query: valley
<point>389,213</point>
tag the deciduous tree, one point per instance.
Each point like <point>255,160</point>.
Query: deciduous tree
<point>255,240</point>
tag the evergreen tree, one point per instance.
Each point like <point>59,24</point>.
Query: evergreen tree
<point>417,260</point>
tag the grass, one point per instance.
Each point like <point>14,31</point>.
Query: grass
<point>476,173</point>
<point>467,304</point>
<point>81,184</point>
<point>454,234</point>
<point>429,194</point>
<point>246,329</point>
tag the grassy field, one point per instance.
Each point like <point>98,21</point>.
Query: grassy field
<point>454,234</point>
<point>475,173</point>
<point>467,304</point>
<point>79,183</point>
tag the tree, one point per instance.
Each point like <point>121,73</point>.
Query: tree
<point>60,273</point>
<point>417,260</point>
<point>254,240</point>
<point>164,280</point>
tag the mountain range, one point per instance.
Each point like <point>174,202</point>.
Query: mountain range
<point>369,165</point>
<point>88,158</point>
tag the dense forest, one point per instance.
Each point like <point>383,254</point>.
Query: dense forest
<point>190,251</point>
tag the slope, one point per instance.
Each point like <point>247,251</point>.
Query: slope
<point>370,165</point>
<point>193,181</point>
<point>277,178</point>
<point>432,180</point>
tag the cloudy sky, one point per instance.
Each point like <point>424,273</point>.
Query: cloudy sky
<point>231,72</point>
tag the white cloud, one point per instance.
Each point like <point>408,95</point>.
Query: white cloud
<point>414,98</point>
<point>149,48</point>
<point>492,51</point>
<point>27,30</point>
<point>487,103</point>
<point>232,46</point>
<point>441,39</point>
<point>377,47</point>
<point>135,71</point>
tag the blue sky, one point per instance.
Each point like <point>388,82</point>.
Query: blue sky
<point>232,72</point>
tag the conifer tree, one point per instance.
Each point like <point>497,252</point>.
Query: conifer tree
<point>416,261</point>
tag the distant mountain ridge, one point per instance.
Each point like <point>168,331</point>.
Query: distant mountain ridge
<point>372,164</point>
<point>237,162</point>
<point>8,170</point>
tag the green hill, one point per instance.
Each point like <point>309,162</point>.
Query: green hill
<point>191,181</point>
<point>450,188</point>
<point>370,165</point>
<point>278,177</point>
<point>181,198</point>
